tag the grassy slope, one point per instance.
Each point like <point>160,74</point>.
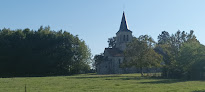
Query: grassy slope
<point>99,83</point>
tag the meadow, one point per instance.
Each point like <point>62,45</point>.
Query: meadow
<point>99,83</point>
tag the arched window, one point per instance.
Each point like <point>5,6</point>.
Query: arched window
<point>119,61</point>
<point>124,38</point>
<point>127,38</point>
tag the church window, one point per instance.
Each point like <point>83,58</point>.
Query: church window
<point>124,38</point>
<point>127,38</point>
<point>119,61</point>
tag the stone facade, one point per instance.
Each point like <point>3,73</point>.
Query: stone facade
<point>114,56</point>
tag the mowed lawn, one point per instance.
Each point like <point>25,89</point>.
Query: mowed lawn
<point>99,83</point>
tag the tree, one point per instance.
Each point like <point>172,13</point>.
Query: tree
<point>97,60</point>
<point>171,50</point>
<point>164,38</point>
<point>111,42</point>
<point>190,63</point>
<point>140,53</point>
<point>40,53</point>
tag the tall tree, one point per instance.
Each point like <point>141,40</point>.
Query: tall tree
<point>171,51</point>
<point>140,53</point>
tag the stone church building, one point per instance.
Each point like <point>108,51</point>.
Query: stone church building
<point>114,56</point>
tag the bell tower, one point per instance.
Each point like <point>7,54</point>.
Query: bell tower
<point>124,35</point>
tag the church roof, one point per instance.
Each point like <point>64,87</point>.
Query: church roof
<point>114,52</point>
<point>124,25</point>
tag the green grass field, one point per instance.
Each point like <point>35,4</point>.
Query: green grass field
<point>99,83</point>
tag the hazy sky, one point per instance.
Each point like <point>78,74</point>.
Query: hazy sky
<point>97,20</point>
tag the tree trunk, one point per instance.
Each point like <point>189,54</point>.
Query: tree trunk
<point>141,71</point>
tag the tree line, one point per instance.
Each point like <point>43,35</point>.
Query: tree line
<point>42,52</point>
<point>179,55</point>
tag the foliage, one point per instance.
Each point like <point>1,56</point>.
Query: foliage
<point>111,42</point>
<point>183,55</point>
<point>163,38</point>
<point>98,59</point>
<point>140,53</point>
<point>191,62</point>
<point>42,52</point>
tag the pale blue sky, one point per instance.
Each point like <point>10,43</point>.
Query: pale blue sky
<point>97,20</point>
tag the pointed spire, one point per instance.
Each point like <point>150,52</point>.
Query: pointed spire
<point>123,25</point>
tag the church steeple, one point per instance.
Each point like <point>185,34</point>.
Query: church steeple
<point>123,25</point>
<point>124,35</point>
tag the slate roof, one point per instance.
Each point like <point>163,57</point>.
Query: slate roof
<point>124,25</point>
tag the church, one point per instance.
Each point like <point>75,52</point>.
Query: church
<point>113,57</point>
